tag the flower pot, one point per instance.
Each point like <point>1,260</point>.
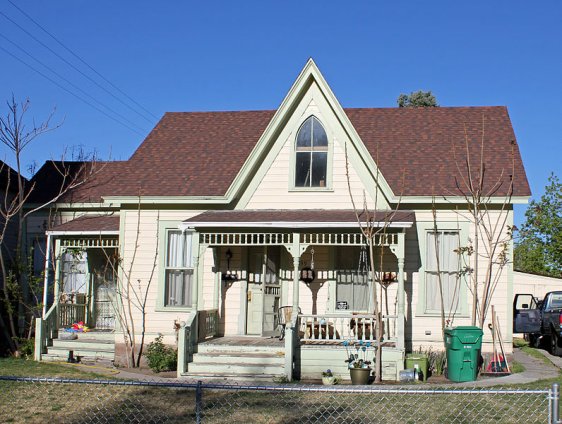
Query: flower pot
<point>328,381</point>
<point>359,376</point>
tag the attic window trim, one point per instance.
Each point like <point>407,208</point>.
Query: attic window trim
<point>309,154</point>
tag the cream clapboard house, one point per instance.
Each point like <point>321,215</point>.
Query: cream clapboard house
<point>218,216</point>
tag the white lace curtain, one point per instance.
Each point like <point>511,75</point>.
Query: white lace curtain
<point>178,269</point>
<point>441,245</point>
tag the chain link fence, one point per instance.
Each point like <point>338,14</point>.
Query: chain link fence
<point>55,400</point>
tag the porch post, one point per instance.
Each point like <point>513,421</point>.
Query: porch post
<point>46,280</point>
<point>196,271</point>
<point>296,260</point>
<point>296,282</point>
<point>218,279</point>
<point>401,291</point>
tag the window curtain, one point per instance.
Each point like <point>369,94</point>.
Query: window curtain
<point>74,272</point>
<point>178,275</point>
<point>352,284</point>
<point>442,245</point>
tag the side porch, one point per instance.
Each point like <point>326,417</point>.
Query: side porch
<point>84,264</point>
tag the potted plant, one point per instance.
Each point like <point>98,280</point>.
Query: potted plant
<point>358,363</point>
<point>328,378</point>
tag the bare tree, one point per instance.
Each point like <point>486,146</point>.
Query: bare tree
<point>488,211</point>
<point>17,136</point>
<point>131,297</point>
<point>372,230</point>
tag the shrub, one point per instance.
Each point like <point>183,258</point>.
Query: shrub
<point>161,357</point>
<point>437,360</point>
<point>26,347</point>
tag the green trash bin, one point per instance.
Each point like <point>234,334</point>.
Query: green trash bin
<point>419,361</point>
<point>463,346</point>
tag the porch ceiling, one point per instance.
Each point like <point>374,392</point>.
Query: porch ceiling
<point>300,218</point>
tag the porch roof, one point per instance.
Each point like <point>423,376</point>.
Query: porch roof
<point>299,218</point>
<point>88,225</point>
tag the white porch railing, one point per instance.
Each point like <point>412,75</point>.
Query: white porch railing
<point>339,327</point>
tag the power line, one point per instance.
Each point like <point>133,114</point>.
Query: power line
<point>72,65</point>
<point>71,83</point>
<point>69,92</point>
<point>80,59</point>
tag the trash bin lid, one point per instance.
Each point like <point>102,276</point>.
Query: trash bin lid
<point>465,334</point>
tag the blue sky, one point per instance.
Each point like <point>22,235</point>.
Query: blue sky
<point>198,56</point>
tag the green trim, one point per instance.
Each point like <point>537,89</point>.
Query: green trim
<point>164,227</point>
<point>422,229</point>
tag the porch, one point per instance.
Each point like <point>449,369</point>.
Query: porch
<point>255,272</point>
<point>84,263</point>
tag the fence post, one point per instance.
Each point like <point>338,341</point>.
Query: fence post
<point>198,402</point>
<point>554,399</point>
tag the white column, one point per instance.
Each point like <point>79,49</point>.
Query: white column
<point>401,291</point>
<point>46,280</point>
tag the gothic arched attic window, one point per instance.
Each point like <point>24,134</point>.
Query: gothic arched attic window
<point>311,154</point>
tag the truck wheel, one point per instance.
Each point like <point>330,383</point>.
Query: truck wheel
<point>555,348</point>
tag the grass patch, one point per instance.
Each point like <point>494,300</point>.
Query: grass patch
<point>26,368</point>
<point>536,353</point>
<point>516,367</point>
<point>519,342</point>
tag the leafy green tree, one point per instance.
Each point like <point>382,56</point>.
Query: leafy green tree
<point>417,99</point>
<point>539,244</point>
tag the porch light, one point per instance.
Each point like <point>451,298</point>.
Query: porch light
<point>229,276</point>
<point>307,274</point>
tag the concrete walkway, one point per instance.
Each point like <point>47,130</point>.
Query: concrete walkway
<point>535,370</point>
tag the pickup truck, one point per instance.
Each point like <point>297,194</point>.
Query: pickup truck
<point>540,321</point>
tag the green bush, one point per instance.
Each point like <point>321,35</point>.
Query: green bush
<point>437,360</point>
<point>26,347</point>
<point>161,357</point>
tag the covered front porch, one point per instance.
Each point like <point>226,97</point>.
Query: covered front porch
<point>317,266</point>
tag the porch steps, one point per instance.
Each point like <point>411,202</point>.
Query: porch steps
<point>91,346</point>
<point>237,362</point>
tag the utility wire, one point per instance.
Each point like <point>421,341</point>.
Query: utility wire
<point>70,92</point>
<point>70,82</point>
<point>80,59</point>
<point>71,65</point>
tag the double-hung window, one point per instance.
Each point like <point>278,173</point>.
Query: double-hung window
<point>442,264</point>
<point>178,269</point>
<point>311,154</point>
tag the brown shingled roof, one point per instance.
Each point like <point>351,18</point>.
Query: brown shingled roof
<point>90,223</point>
<point>299,215</point>
<point>200,153</point>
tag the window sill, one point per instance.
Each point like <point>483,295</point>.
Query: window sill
<point>173,309</point>
<point>438,315</point>
<point>309,189</point>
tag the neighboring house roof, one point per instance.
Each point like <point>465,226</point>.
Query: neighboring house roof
<point>89,223</point>
<point>9,178</point>
<point>275,218</point>
<point>97,179</point>
<point>419,151</point>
